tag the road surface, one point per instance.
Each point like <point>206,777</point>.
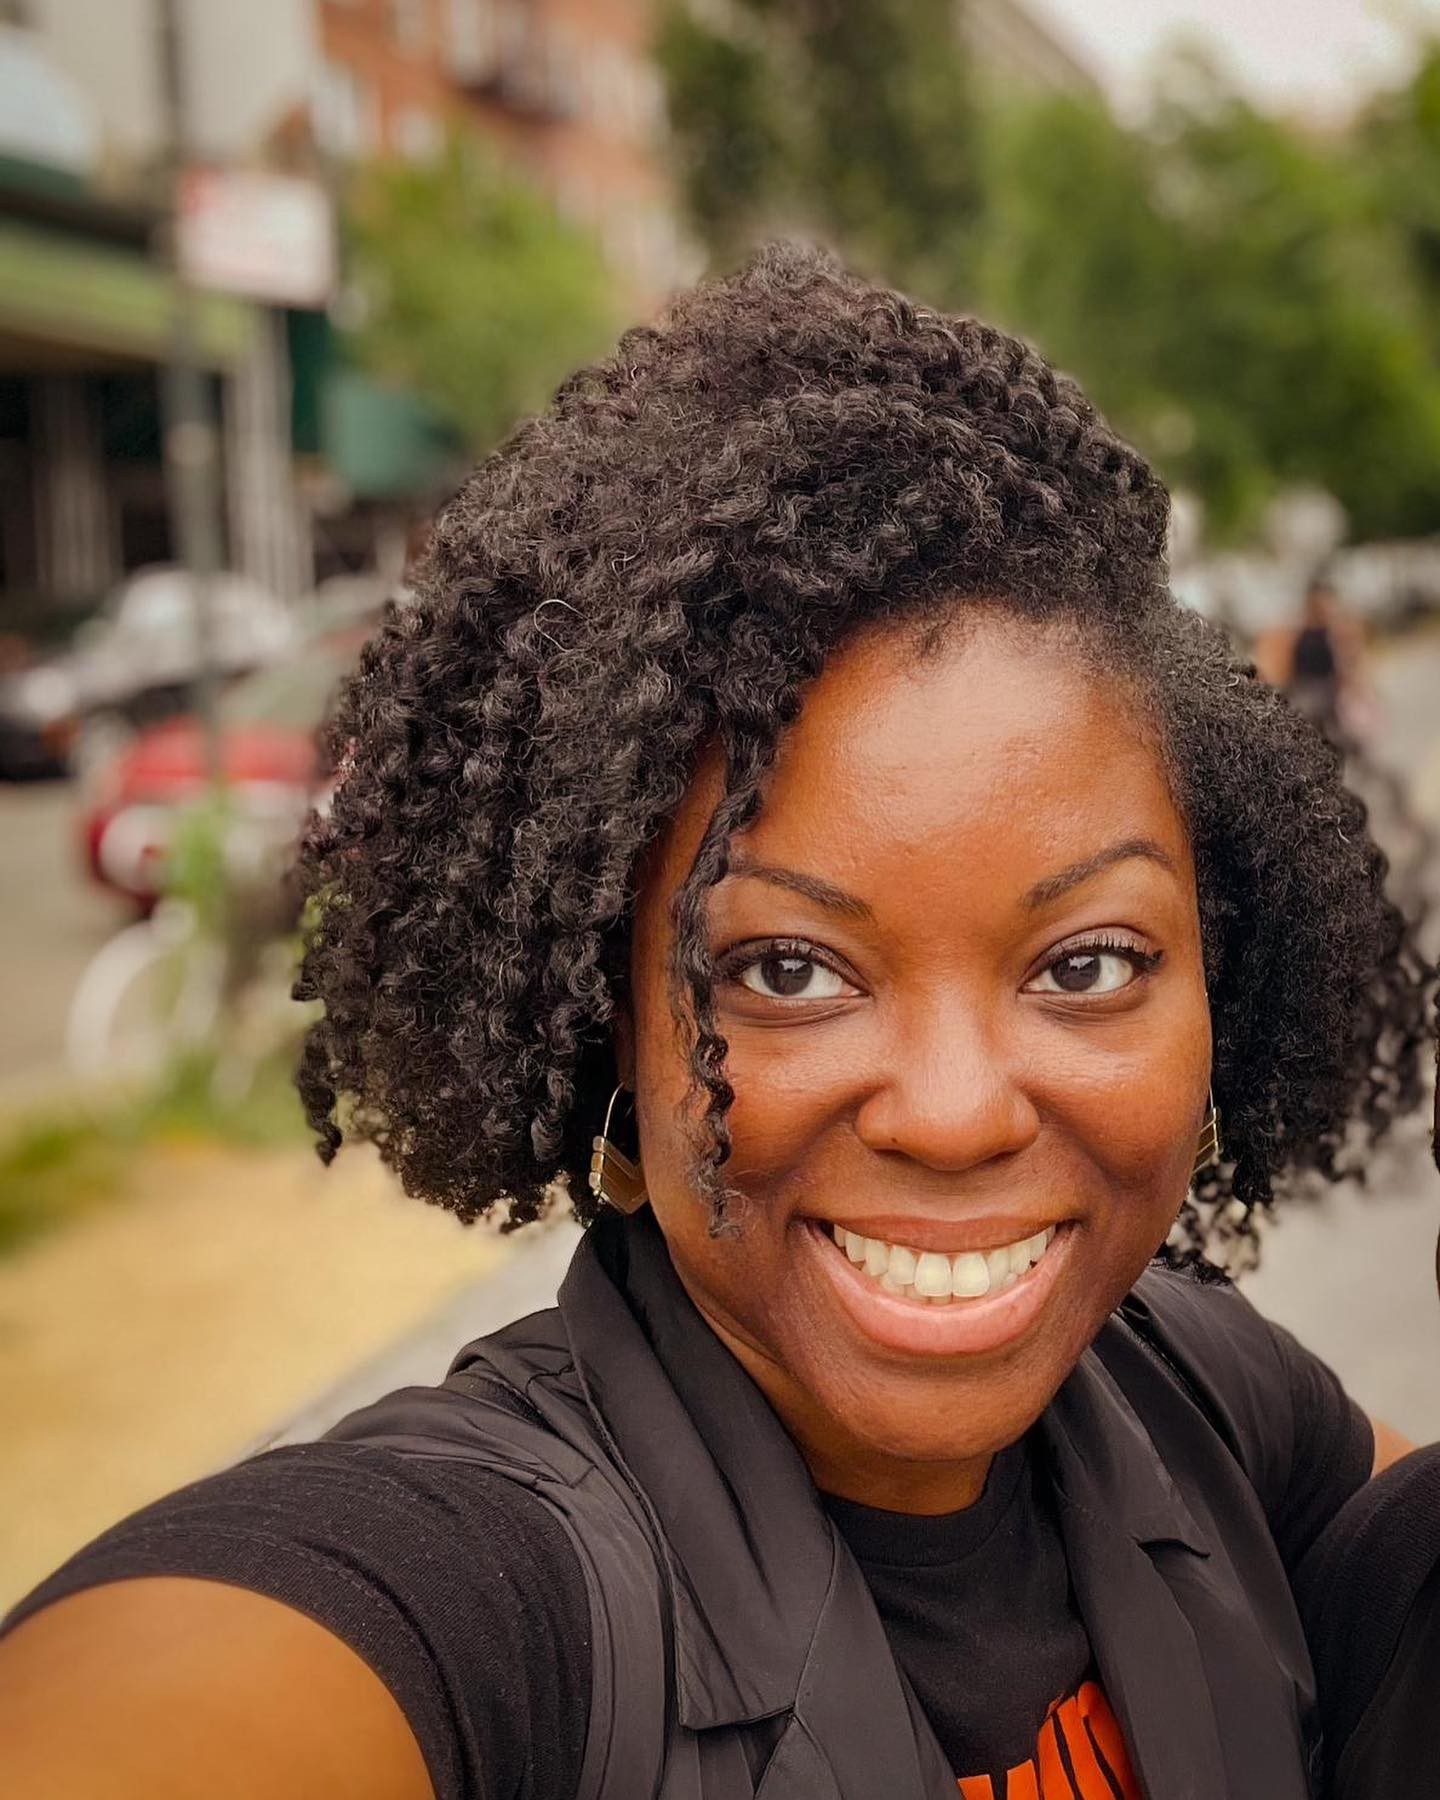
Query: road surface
<point>52,921</point>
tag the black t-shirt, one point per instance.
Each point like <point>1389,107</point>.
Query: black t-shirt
<point>1313,658</point>
<point>978,1607</point>
<point>461,1590</point>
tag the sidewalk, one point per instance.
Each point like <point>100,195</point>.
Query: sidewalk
<point>228,1295</point>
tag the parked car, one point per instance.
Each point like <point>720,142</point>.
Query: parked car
<point>134,663</point>
<point>268,756</point>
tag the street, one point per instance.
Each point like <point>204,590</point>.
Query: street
<point>52,921</point>
<point>1353,1275</point>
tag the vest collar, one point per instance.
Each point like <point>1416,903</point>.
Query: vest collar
<point>752,1557</point>
<point>1103,1461</point>
<point>749,1550</point>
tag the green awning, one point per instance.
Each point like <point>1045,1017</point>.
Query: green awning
<point>59,289</point>
<point>383,442</point>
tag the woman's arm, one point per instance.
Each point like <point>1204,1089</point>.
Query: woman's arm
<point>165,1688</point>
<point>1390,1446</point>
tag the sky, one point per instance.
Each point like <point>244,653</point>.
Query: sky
<point>1308,55</point>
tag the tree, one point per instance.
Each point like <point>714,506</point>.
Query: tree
<point>720,90</point>
<point>851,122</point>
<point>1398,143</point>
<point>470,288</point>
<point>1238,295</point>
<point>1218,281</point>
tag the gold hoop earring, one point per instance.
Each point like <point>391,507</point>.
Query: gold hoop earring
<point>614,1179</point>
<point>1208,1150</point>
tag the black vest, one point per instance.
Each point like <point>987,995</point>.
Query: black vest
<point>736,1649</point>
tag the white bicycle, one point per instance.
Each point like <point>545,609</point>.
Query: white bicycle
<point>148,996</point>
<point>173,986</point>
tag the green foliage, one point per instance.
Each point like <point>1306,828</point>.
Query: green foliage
<point>1218,283</point>
<point>58,1165</point>
<point>195,869</point>
<point>728,139</point>
<point>472,290</point>
<point>1398,146</point>
<point>891,148</point>
<point>853,122</point>
<point>1255,306</point>
<point>52,1169</point>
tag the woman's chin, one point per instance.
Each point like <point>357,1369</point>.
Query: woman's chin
<point>939,1431</point>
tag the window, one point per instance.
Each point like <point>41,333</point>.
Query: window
<point>410,23</point>
<point>474,34</point>
<point>625,95</point>
<point>344,112</point>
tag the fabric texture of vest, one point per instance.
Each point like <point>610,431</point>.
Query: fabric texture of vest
<point>736,1651</point>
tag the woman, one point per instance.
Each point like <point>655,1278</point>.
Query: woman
<point>795,816</point>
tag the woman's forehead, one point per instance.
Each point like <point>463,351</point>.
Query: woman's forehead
<point>1007,749</point>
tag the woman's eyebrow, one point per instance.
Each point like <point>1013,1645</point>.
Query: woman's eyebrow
<point>1053,886</point>
<point>823,893</point>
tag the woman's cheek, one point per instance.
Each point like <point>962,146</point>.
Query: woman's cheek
<point>786,1101</point>
<point>1131,1104</point>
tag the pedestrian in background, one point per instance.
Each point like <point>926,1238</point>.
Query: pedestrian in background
<point>1320,666</point>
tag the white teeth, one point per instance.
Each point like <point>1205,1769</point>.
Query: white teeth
<point>903,1265</point>
<point>932,1277</point>
<point>972,1277</point>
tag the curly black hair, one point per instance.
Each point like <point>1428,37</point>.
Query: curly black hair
<point>660,563</point>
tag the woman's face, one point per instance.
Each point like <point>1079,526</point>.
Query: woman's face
<point>960,978</point>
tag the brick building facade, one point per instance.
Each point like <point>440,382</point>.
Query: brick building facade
<point>567,87</point>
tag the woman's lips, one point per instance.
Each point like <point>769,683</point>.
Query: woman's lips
<point>961,1326</point>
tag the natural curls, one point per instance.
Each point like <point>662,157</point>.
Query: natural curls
<point>658,566</point>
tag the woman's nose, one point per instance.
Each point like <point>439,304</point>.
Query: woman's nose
<point>947,1098</point>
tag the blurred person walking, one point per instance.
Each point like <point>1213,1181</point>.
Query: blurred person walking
<point>1325,675</point>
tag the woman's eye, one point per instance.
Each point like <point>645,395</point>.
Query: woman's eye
<point>784,977</point>
<point>1087,972</point>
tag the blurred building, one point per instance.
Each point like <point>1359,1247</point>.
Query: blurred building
<point>567,87</point>
<point>295,88</point>
<point>277,90</point>
<point>87,299</point>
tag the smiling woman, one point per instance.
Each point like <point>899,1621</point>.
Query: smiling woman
<point>795,819</point>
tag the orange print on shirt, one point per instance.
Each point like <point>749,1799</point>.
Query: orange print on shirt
<point>1080,1755</point>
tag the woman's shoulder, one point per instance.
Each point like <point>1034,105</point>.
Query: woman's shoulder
<point>455,1583</point>
<point>1199,1324</point>
<point>1279,1409</point>
<point>305,1503</point>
